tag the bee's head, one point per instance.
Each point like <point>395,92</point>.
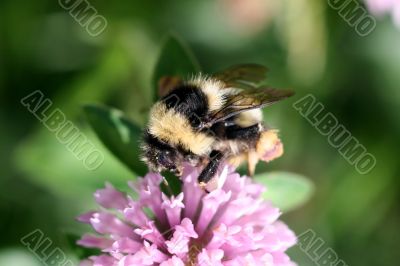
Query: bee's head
<point>159,156</point>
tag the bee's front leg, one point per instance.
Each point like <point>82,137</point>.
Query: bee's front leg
<point>211,168</point>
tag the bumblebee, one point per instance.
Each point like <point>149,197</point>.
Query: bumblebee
<point>206,120</point>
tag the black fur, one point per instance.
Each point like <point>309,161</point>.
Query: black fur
<point>230,131</point>
<point>155,142</point>
<point>190,101</point>
<point>247,133</point>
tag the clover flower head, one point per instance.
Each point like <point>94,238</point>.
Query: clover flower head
<point>231,226</point>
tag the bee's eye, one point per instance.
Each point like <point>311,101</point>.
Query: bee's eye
<point>165,159</point>
<point>195,121</point>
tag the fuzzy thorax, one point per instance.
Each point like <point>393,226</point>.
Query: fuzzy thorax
<point>213,89</point>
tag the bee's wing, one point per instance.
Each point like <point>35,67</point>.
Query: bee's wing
<point>238,76</point>
<point>167,83</point>
<point>242,76</point>
<point>247,99</point>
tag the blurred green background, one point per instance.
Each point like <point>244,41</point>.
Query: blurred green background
<point>306,45</point>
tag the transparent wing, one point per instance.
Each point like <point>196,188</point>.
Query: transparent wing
<point>248,99</point>
<point>243,76</point>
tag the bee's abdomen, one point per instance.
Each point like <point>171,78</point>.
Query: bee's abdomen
<point>232,131</point>
<point>251,133</point>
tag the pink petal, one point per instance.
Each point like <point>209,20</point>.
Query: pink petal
<point>107,223</point>
<point>186,228</point>
<point>178,244</point>
<point>85,218</point>
<point>264,215</point>
<point>253,259</point>
<point>135,214</point>
<point>282,259</point>
<point>150,194</point>
<point>222,234</point>
<point>103,260</point>
<point>174,261</point>
<point>91,241</point>
<point>172,207</point>
<point>150,233</point>
<point>111,198</point>
<point>126,245</point>
<point>278,238</point>
<point>195,193</point>
<point>234,183</point>
<point>210,257</point>
<point>211,203</point>
<point>147,255</point>
<point>239,208</point>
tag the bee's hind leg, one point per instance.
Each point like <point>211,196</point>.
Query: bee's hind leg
<point>252,160</point>
<point>211,168</point>
<point>250,135</point>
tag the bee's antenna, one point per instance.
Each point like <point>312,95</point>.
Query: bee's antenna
<point>167,186</point>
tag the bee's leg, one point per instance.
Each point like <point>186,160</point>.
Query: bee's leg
<point>252,160</point>
<point>211,168</point>
<point>250,135</point>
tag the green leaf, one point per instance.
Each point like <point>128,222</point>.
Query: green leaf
<point>174,186</point>
<point>118,133</point>
<point>18,256</point>
<point>175,59</point>
<point>63,174</point>
<point>286,190</point>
